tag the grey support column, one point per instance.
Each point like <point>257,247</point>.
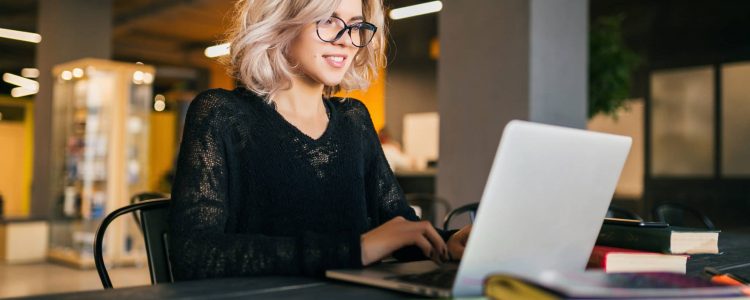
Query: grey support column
<point>70,30</point>
<point>502,60</point>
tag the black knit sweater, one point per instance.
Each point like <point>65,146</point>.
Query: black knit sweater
<point>253,195</point>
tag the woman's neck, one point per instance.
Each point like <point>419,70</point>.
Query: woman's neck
<point>303,99</point>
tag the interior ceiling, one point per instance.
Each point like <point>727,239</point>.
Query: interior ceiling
<point>161,32</point>
<point>153,31</point>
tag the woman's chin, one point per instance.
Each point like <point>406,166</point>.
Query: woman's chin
<point>332,81</point>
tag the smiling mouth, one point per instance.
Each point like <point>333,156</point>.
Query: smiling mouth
<point>336,61</point>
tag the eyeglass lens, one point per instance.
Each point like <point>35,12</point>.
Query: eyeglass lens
<point>333,28</point>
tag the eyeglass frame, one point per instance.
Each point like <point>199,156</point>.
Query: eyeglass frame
<point>348,28</point>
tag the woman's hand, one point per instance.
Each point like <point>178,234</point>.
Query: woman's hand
<point>398,233</point>
<point>457,242</point>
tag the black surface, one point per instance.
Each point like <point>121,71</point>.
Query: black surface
<point>735,248</point>
<point>240,288</point>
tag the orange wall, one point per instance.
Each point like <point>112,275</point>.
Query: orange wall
<point>373,98</point>
<point>16,152</point>
<point>162,144</point>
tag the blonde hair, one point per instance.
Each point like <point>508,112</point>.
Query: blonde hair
<point>264,30</point>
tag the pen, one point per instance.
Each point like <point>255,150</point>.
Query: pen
<point>724,278</point>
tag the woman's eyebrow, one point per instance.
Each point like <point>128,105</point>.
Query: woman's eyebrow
<point>357,18</point>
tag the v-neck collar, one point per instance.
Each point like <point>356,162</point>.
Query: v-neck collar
<point>330,110</point>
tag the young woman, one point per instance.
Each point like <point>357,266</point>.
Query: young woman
<point>279,177</point>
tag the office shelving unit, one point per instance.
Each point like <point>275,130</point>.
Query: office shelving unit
<point>104,107</point>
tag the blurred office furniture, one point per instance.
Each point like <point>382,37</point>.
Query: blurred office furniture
<point>102,118</point>
<point>429,205</point>
<point>470,208</point>
<point>421,137</point>
<point>419,188</point>
<point>23,240</point>
<point>153,214</point>
<point>681,215</point>
<point>417,181</point>
<point>621,213</point>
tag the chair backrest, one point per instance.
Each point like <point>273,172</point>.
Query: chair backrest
<point>681,215</point>
<point>621,213</point>
<point>143,197</point>
<point>429,204</point>
<point>154,226</point>
<point>470,208</point>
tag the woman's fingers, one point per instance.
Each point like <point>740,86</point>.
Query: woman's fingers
<point>457,243</point>
<point>425,245</point>
<point>436,240</point>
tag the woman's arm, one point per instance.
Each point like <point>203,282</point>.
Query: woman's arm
<point>199,245</point>
<point>388,199</point>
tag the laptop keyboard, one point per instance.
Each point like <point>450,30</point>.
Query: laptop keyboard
<point>442,278</point>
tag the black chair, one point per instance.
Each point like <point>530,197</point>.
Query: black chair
<point>681,215</point>
<point>143,197</point>
<point>154,226</point>
<point>621,213</point>
<point>470,208</point>
<point>429,204</point>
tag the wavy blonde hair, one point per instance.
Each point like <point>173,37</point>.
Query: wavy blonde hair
<point>264,30</point>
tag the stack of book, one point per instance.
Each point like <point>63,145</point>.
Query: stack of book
<point>624,246</point>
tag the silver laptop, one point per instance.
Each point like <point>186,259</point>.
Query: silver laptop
<point>542,208</point>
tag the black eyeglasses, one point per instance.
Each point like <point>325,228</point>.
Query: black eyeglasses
<point>333,28</point>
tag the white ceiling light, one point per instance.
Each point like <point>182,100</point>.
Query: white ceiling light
<point>21,92</point>
<point>66,75</point>
<point>30,72</point>
<point>77,72</point>
<point>216,51</point>
<point>25,83</point>
<point>20,35</point>
<point>416,10</point>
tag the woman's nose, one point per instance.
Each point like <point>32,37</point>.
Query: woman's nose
<point>345,39</point>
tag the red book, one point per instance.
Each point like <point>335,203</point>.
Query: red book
<point>614,260</point>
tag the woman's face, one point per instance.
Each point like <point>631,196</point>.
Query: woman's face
<point>326,62</point>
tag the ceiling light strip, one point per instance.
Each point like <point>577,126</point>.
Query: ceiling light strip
<point>416,10</point>
<point>25,83</point>
<point>21,92</point>
<point>216,51</point>
<point>20,35</point>
<point>30,72</point>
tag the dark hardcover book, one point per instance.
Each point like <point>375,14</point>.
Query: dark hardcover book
<point>668,239</point>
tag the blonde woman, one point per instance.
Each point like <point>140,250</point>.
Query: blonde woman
<point>279,177</point>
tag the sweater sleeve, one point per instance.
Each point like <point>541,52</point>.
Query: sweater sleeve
<point>200,247</point>
<point>383,189</point>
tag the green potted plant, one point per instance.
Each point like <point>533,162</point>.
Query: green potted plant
<point>611,65</point>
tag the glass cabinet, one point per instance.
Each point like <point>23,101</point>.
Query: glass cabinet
<point>103,110</point>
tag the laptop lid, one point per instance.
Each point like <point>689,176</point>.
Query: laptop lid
<point>543,205</point>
